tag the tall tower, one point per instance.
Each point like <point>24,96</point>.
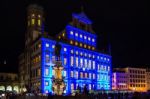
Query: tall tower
<point>35,22</point>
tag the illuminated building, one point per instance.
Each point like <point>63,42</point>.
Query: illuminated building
<point>137,80</point>
<point>9,82</point>
<point>83,63</point>
<point>148,78</point>
<point>119,80</point>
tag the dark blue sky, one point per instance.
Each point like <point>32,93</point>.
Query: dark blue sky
<point>126,22</point>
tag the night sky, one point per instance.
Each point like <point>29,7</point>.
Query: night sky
<point>126,22</point>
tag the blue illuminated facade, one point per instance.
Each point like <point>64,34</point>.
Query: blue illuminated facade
<point>83,64</point>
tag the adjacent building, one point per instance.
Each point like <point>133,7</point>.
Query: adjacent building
<point>119,80</point>
<point>148,78</point>
<point>136,77</point>
<point>9,82</point>
<point>83,63</point>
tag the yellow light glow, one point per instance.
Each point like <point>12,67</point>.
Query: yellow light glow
<point>71,42</point>
<point>89,47</point>
<point>39,22</point>
<point>80,44</point>
<point>85,45</point>
<point>76,43</point>
<point>33,21</point>
<point>59,37</point>
<point>63,34</point>
<point>93,48</point>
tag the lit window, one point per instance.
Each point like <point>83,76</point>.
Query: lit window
<point>85,63</point>
<point>33,15</point>
<point>47,58</point>
<point>108,59</point>
<point>101,67</point>
<point>108,68</point>
<point>81,53</point>
<point>93,64</point>
<point>93,40</point>
<point>71,32</point>
<point>90,75</point>
<point>65,61</point>
<point>71,60</point>
<point>93,56</point>
<point>65,49</point>
<point>86,75</point>
<point>105,58</point>
<point>89,38</point>
<point>81,75</point>
<point>72,87</point>
<point>77,52</point>
<point>39,22</point>
<point>93,76</point>
<point>39,45</point>
<point>71,73</point>
<point>101,58</point>
<point>77,61</point>
<point>33,21</point>
<point>85,37</point>
<point>85,54</point>
<point>53,46</point>
<point>63,34</point>
<point>72,51</point>
<point>89,47</point>
<point>71,42</point>
<point>65,74</point>
<point>53,72</point>
<point>85,45</point>
<point>90,87</point>
<point>76,43</point>
<point>98,76</point>
<point>76,34</point>
<point>89,64</point>
<point>93,48</point>
<point>81,62</point>
<point>39,16</point>
<point>97,57</point>
<point>80,44</point>
<point>46,83</point>
<point>46,71</point>
<point>98,67</point>
<point>89,55</point>
<point>80,35</point>
<point>47,45</point>
<point>59,37</point>
<point>76,74</point>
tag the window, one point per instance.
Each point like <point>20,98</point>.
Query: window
<point>53,46</point>
<point>81,75</point>
<point>93,76</point>
<point>98,77</point>
<point>53,72</point>
<point>93,40</point>
<point>47,58</point>
<point>77,61</point>
<point>72,87</point>
<point>71,60</point>
<point>71,32</point>
<point>89,38</point>
<point>93,64</point>
<point>86,75</point>
<point>72,51</point>
<point>76,74</point>
<point>33,21</point>
<point>65,49</point>
<point>80,35</point>
<point>39,22</point>
<point>98,67</point>
<point>46,83</point>
<point>65,61</point>
<point>76,34</point>
<point>93,56</point>
<point>81,62</point>
<point>39,72</point>
<point>89,86</point>
<point>65,74</point>
<point>89,75</point>
<point>85,62</point>
<point>53,58</point>
<point>76,52</point>
<point>85,37</point>
<point>46,71</point>
<point>108,68</point>
<point>71,73</point>
<point>47,45</point>
<point>89,64</point>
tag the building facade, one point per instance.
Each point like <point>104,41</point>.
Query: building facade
<point>9,82</point>
<point>83,63</point>
<point>137,78</point>
<point>119,80</point>
<point>148,78</point>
